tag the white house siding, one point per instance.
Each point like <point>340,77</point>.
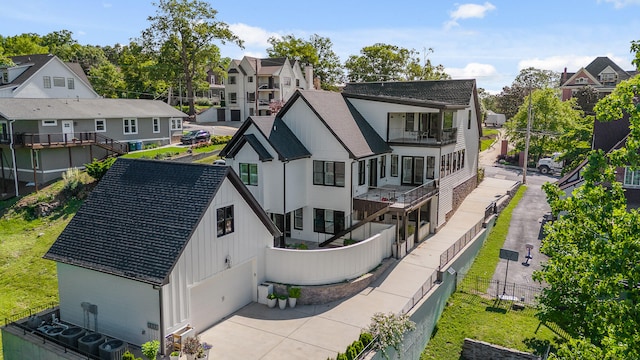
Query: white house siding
<point>34,88</point>
<point>204,257</point>
<point>376,112</point>
<point>124,306</point>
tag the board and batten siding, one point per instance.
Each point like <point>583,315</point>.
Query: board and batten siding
<point>205,254</point>
<point>124,306</point>
<point>35,89</point>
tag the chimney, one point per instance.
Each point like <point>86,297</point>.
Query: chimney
<point>564,75</point>
<point>308,75</point>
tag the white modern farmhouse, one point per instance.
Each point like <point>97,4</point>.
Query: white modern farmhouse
<point>402,153</point>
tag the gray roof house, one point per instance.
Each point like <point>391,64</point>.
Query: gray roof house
<point>153,242</point>
<point>330,162</point>
<point>45,137</point>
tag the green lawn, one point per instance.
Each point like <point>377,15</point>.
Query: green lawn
<point>472,316</point>
<point>158,152</point>
<point>26,280</point>
<point>488,138</point>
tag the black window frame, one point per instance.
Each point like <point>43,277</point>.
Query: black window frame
<point>383,166</point>
<point>247,171</point>
<point>362,170</point>
<point>394,165</point>
<point>224,220</point>
<point>298,219</point>
<point>328,173</point>
<point>320,222</point>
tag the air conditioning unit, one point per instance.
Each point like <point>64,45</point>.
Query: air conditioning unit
<point>112,349</point>
<point>71,335</point>
<point>89,343</point>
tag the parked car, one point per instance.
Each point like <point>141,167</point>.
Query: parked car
<point>195,136</point>
<point>220,162</point>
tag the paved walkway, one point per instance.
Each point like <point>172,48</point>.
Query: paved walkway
<point>321,331</point>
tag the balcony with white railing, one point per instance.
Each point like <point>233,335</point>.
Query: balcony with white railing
<point>433,138</point>
<point>395,196</point>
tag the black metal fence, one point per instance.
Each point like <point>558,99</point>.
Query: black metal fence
<point>454,249</point>
<point>498,289</point>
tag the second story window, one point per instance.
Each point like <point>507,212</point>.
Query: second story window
<point>233,98</point>
<point>101,125</point>
<point>58,81</point>
<point>361,172</point>
<point>631,178</point>
<point>71,84</point>
<point>232,80</point>
<point>46,82</point>
<point>250,79</point>
<point>249,174</point>
<point>224,217</point>
<point>287,81</point>
<point>328,173</point>
<point>394,165</point>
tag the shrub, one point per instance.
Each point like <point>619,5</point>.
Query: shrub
<point>342,357</point>
<point>302,246</point>
<point>97,168</point>
<point>220,139</point>
<point>128,356</point>
<point>366,339</point>
<point>72,182</point>
<point>150,349</point>
<point>358,346</point>
<point>389,329</point>
<point>352,353</point>
<point>203,102</point>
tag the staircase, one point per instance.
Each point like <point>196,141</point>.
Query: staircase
<point>110,144</point>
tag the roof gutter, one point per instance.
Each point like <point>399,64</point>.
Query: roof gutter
<point>13,156</point>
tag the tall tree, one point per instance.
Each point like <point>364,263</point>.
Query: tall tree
<point>593,273</point>
<point>317,51</point>
<point>23,44</point>
<point>107,80</point>
<point>551,118</point>
<point>189,28</point>
<point>529,79</point>
<point>384,62</point>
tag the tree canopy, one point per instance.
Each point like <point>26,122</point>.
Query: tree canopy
<point>551,117</point>
<point>512,97</point>
<point>384,62</point>
<point>183,31</point>
<point>317,51</point>
<point>593,273</point>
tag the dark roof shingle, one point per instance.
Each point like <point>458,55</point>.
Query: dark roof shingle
<point>137,221</point>
<point>435,93</point>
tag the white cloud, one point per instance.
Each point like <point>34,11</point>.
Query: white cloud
<point>468,11</point>
<point>619,4</point>
<point>472,70</point>
<point>557,63</point>
<point>253,36</point>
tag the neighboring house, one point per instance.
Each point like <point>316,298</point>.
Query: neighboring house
<point>216,86</point>
<point>403,153</point>
<point>44,76</point>
<point>608,136</point>
<point>253,84</point>
<point>159,246</point>
<point>45,137</point>
<point>602,74</point>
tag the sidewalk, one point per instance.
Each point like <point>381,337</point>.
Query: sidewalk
<point>321,331</point>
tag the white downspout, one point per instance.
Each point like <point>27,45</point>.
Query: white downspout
<point>13,156</point>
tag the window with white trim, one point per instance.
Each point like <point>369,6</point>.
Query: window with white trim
<point>224,220</point>
<point>130,125</point>
<point>101,125</point>
<point>71,84</point>
<point>46,82</point>
<point>176,124</point>
<point>49,122</point>
<point>58,81</point>
<point>287,81</point>
<point>156,125</point>
<point>631,177</point>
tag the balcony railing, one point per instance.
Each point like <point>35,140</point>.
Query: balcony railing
<point>445,136</point>
<point>399,196</point>
<point>266,86</point>
<point>66,140</point>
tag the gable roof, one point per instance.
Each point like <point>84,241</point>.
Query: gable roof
<point>36,62</point>
<point>602,62</point>
<point>342,119</point>
<point>277,134</point>
<point>136,222</point>
<point>41,109</point>
<point>437,93</point>
<point>252,140</point>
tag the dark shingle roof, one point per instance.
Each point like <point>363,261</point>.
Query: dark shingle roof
<point>343,121</point>
<point>600,63</point>
<point>277,133</point>
<point>252,140</point>
<point>137,221</point>
<point>438,93</point>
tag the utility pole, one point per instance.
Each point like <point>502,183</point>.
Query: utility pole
<point>526,141</point>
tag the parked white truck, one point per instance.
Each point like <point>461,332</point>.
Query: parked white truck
<point>550,164</point>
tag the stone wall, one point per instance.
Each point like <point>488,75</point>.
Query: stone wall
<point>480,350</point>
<point>322,294</point>
<point>460,192</point>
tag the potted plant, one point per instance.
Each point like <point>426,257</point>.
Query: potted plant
<point>282,301</point>
<point>271,300</point>
<point>294,294</point>
<point>150,349</point>
<point>205,349</point>
<point>191,347</point>
<point>175,355</point>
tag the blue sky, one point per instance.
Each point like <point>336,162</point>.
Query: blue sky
<point>486,40</point>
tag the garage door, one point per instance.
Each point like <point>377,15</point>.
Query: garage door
<point>218,297</point>
<point>235,115</point>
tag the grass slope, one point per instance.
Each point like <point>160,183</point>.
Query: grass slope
<point>26,279</point>
<point>472,316</point>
